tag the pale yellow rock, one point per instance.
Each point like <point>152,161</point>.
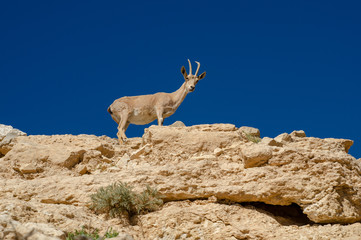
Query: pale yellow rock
<point>12,229</point>
<point>217,151</point>
<point>299,133</point>
<point>30,168</point>
<point>207,220</point>
<point>250,131</point>
<point>64,151</point>
<point>271,142</point>
<point>142,151</point>
<point>345,143</point>
<point>203,157</point>
<point>255,155</point>
<point>211,162</point>
<point>283,138</point>
<point>177,124</point>
<point>7,135</point>
<point>191,139</point>
<point>123,161</point>
<point>83,170</point>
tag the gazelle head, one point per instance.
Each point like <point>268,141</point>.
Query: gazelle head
<point>192,80</point>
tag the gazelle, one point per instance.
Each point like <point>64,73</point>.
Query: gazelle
<point>144,109</point>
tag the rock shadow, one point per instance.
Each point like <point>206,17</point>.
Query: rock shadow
<point>284,215</point>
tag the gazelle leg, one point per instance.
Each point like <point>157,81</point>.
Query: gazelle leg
<point>160,117</point>
<point>126,126</point>
<point>123,125</point>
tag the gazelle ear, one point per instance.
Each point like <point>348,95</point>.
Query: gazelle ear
<point>202,76</point>
<point>184,72</point>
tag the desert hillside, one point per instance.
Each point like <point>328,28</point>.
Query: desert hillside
<point>217,181</point>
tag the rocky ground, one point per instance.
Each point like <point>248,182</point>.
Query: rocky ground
<point>218,182</point>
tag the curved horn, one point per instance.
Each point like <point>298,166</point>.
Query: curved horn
<point>190,67</point>
<point>199,65</point>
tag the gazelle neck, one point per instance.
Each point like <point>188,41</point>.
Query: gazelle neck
<point>179,95</point>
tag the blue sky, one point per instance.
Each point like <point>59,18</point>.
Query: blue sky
<point>275,65</point>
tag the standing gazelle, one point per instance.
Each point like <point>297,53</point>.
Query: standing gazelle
<point>144,109</point>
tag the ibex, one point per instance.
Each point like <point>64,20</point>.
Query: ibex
<point>144,109</point>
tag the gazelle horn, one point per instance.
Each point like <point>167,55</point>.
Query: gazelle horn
<point>190,67</point>
<point>199,65</point>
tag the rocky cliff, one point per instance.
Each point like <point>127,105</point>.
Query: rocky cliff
<point>218,182</point>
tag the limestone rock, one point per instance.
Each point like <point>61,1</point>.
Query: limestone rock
<point>7,133</point>
<point>255,155</point>
<point>142,151</point>
<point>63,151</point>
<point>48,179</point>
<point>250,131</point>
<point>30,168</point>
<point>204,220</point>
<point>177,124</point>
<point>217,151</point>
<point>122,236</point>
<point>283,138</point>
<point>191,139</point>
<point>123,161</point>
<point>11,229</point>
<point>271,142</point>
<point>299,133</point>
<point>82,170</point>
<point>345,143</point>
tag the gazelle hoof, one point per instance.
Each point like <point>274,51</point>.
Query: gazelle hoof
<point>123,141</point>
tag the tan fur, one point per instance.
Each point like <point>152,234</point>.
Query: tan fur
<point>144,109</point>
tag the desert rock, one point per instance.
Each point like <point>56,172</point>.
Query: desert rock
<point>215,183</point>
<point>250,131</point>
<point>255,155</point>
<point>177,124</point>
<point>7,133</point>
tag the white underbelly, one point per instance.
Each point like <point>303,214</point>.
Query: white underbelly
<point>139,117</point>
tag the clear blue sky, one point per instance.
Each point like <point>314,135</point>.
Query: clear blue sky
<point>275,65</point>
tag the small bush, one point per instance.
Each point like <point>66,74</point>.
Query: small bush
<point>119,199</point>
<point>252,138</point>
<point>91,234</point>
<point>111,234</point>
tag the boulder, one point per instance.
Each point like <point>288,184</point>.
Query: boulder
<point>177,124</point>
<point>271,142</point>
<point>250,131</point>
<point>299,133</point>
<point>7,133</point>
<point>283,138</point>
<point>11,229</point>
<point>255,155</point>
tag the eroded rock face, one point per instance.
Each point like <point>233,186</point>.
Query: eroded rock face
<point>191,140</point>
<point>7,133</point>
<point>202,219</point>
<point>34,154</point>
<point>51,177</point>
<point>11,229</point>
<point>255,155</point>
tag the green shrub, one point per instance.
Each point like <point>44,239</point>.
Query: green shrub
<point>119,199</point>
<point>91,234</point>
<point>149,200</point>
<point>111,233</point>
<point>252,138</point>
